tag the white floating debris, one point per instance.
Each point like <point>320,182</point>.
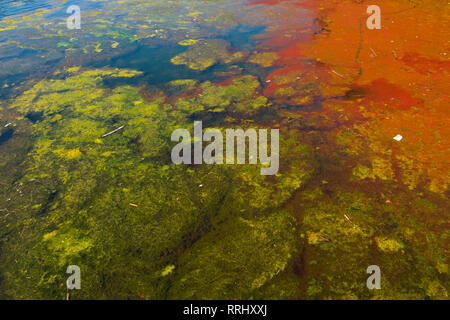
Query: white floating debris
<point>8,124</point>
<point>200,185</point>
<point>268,81</point>
<point>398,137</point>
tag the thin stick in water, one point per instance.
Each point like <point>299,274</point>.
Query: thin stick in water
<point>114,131</point>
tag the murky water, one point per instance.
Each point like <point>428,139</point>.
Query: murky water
<point>86,118</point>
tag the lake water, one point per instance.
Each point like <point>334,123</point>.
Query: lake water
<point>86,117</point>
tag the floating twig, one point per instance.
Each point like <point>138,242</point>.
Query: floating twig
<point>346,217</point>
<point>324,238</point>
<point>338,74</point>
<point>395,54</point>
<point>114,131</point>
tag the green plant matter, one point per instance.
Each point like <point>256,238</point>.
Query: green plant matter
<point>205,54</point>
<point>237,259</point>
<point>237,97</point>
<point>114,203</point>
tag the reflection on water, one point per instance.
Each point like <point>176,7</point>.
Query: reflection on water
<point>15,7</point>
<point>347,194</point>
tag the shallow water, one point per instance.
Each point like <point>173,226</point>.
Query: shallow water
<point>14,7</point>
<point>347,195</point>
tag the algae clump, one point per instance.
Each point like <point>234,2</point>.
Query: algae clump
<point>204,54</point>
<point>238,259</point>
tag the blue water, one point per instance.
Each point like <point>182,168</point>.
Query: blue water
<point>15,7</point>
<point>41,57</point>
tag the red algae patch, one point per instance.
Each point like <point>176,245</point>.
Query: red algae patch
<point>382,93</point>
<point>384,83</point>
